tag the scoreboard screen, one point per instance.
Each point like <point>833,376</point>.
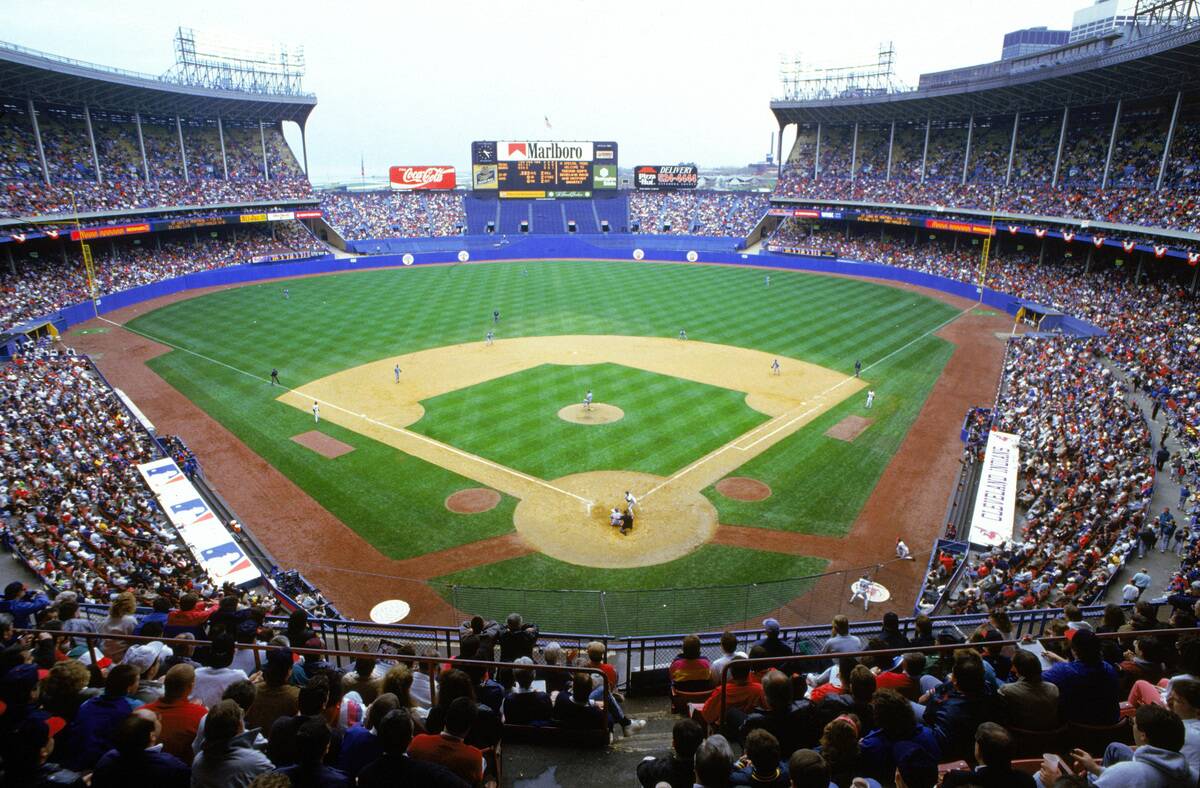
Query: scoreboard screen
<point>534,169</point>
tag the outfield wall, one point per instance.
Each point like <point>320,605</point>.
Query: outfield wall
<point>679,249</point>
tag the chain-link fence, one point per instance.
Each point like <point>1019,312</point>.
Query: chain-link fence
<point>794,601</point>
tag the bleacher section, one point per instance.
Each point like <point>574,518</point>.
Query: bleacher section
<point>547,217</point>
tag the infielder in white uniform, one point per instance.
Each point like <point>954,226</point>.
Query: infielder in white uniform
<point>862,590</point>
<point>397,371</point>
<point>870,398</point>
<point>316,413</point>
<point>587,400</point>
<point>775,367</point>
<point>902,551</point>
<point>630,501</point>
<point>490,336</point>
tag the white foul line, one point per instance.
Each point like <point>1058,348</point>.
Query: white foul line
<point>400,430</point>
<point>792,419</point>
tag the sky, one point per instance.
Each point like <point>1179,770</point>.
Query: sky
<point>414,82</point>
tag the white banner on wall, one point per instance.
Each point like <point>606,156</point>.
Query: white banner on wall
<point>995,501</point>
<point>201,529</point>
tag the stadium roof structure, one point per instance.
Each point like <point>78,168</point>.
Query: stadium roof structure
<point>42,77</point>
<point>1099,70</point>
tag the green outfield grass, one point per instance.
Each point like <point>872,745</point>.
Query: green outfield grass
<point>395,501</point>
<point>536,583</point>
<point>513,420</point>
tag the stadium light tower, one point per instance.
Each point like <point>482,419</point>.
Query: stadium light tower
<point>872,79</point>
<point>1152,16</point>
<point>247,67</point>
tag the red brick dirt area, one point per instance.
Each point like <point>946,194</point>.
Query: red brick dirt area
<point>849,428</point>
<point>322,444</point>
<point>909,500</point>
<point>473,500</point>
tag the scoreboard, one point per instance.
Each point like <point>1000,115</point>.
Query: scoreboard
<point>535,169</point>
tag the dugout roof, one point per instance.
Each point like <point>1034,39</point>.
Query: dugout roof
<point>1096,71</point>
<point>28,74</point>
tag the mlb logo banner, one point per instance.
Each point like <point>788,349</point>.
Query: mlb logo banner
<point>189,512</point>
<point>162,475</point>
<point>226,563</point>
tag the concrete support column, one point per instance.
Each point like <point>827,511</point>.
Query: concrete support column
<point>182,150</point>
<point>967,154</point>
<point>779,152</point>
<point>1137,277</point>
<point>224,158</point>
<point>1162,167</point>
<point>925,150</point>
<point>304,150</point>
<point>1062,140</point>
<point>12,266</point>
<point>891,142</point>
<point>37,137</point>
<point>817,156</point>
<point>87,122</point>
<point>262,139</point>
<point>137,117</point>
<point>1012,150</point>
<point>1042,252</point>
<point>854,153</point>
<point>1195,276</point>
<point>1087,268</point>
<point>1112,143</point>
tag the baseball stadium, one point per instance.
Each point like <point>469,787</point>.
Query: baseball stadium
<point>566,470</point>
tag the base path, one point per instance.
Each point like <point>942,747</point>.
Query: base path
<point>568,518</point>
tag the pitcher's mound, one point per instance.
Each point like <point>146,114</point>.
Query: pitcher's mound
<point>322,444</point>
<point>741,488</point>
<point>473,500</point>
<point>599,414</point>
<point>849,428</point>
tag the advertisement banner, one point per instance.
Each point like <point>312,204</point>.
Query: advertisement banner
<point>110,232</point>
<point>200,528</point>
<point>249,218</point>
<point>280,216</point>
<point>188,224</point>
<point>483,176</point>
<point>308,214</point>
<point>796,213</point>
<point>654,176</point>
<point>888,218</point>
<point>405,178</point>
<point>537,150</point>
<point>960,227</point>
<point>995,502</point>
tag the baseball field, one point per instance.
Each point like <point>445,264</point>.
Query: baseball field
<point>443,458</point>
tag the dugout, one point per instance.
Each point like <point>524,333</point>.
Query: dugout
<point>1043,318</point>
<point>12,340</point>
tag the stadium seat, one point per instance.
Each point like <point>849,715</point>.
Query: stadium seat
<point>1095,738</point>
<point>1028,743</point>
<point>681,700</point>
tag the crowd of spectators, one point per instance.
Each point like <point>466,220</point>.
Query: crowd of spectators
<point>46,283</point>
<point>122,183</point>
<point>76,508</point>
<point>395,214</point>
<point>725,214</point>
<point>1130,197</point>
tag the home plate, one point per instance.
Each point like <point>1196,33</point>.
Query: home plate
<point>877,594</point>
<point>391,611</point>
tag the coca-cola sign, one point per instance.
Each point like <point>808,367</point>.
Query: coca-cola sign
<point>409,178</point>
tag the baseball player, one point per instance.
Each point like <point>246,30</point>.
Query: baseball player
<point>857,366</point>
<point>316,409</point>
<point>614,517</point>
<point>682,335</point>
<point>768,280</point>
<point>490,336</point>
<point>870,398</point>
<point>862,590</point>
<point>275,377</point>
<point>902,550</point>
<point>495,316</point>
<point>397,372</point>
<point>287,294</point>
<point>587,400</point>
<point>775,367</point>
<point>630,501</point>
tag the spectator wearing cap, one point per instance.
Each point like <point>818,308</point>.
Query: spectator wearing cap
<point>1088,687</point>
<point>147,659</point>
<point>313,739</point>
<point>213,678</point>
<point>27,750</point>
<point>90,734</point>
<point>228,759</point>
<point>312,664</point>
<point>396,767</point>
<point>1029,702</point>
<point>19,692</point>
<point>21,603</point>
<point>178,715</point>
<point>448,748</point>
<point>137,758</point>
<point>771,643</point>
<point>276,698</point>
<point>678,769</point>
